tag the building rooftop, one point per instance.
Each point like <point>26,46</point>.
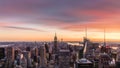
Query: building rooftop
<point>84,61</point>
<point>64,50</point>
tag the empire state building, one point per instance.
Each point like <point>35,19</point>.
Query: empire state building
<point>55,41</point>
<point>55,47</point>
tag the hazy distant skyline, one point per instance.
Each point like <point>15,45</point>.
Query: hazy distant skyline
<point>38,20</point>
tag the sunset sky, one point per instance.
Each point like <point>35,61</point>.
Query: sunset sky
<point>38,20</point>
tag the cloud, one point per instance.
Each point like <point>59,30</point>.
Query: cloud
<point>60,13</point>
<point>22,28</point>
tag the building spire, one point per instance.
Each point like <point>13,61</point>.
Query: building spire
<point>55,44</point>
<point>85,43</point>
<point>86,32</point>
<point>104,37</point>
<point>55,38</point>
<point>85,38</point>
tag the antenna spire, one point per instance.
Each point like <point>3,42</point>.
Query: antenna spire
<point>85,43</point>
<point>86,32</point>
<point>104,37</point>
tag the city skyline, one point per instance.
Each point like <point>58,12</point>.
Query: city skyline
<point>28,20</point>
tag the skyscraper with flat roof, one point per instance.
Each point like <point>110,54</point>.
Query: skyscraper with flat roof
<point>10,56</point>
<point>10,53</point>
<point>2,53</point>
<point>43,60</point>
<point>64,58</point>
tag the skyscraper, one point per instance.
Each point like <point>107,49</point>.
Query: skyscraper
<point>55,40</point>
<point>64,58</point>
<point>55,47</point>
<point>10,53</point>
<point>28,48</point>
<point>104,60</point>
<point>10,56</point>
<point>83,63</point>
<point>2,53</point>
<point>43,60</point>
<point>36,51</point>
